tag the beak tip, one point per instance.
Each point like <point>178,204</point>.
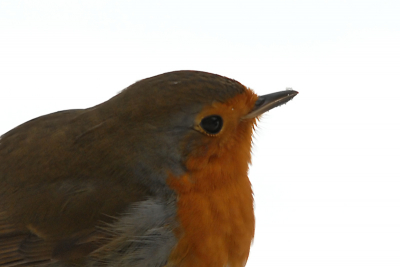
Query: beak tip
<point>270,101</point>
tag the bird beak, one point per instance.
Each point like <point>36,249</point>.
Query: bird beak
<point>270,101</point>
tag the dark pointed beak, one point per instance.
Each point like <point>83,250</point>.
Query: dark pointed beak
<point>270,101</point>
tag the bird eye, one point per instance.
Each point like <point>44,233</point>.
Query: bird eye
<point>212,124</point>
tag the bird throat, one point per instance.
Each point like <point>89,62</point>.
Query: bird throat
<point>215,206</point>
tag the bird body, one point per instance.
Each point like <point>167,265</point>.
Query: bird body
<point>155,176</point>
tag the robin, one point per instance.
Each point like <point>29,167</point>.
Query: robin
<point>155,176</point>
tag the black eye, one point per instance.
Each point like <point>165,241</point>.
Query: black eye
<point>212,124</point>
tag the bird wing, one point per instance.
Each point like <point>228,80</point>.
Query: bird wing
<point>67,176</point>
<point>21,246</point>
<point>143,236</point>
<point>56,192</point>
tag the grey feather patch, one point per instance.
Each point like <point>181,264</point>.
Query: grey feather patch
<point>143,236</point>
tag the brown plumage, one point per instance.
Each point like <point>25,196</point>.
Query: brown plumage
<point>155,176</point>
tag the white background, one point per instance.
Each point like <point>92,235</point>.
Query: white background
<point>325,167</point>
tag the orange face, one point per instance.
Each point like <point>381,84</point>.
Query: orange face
<point>215,203</point>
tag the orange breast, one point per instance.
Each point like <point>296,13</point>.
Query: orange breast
<point>217,226</point>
